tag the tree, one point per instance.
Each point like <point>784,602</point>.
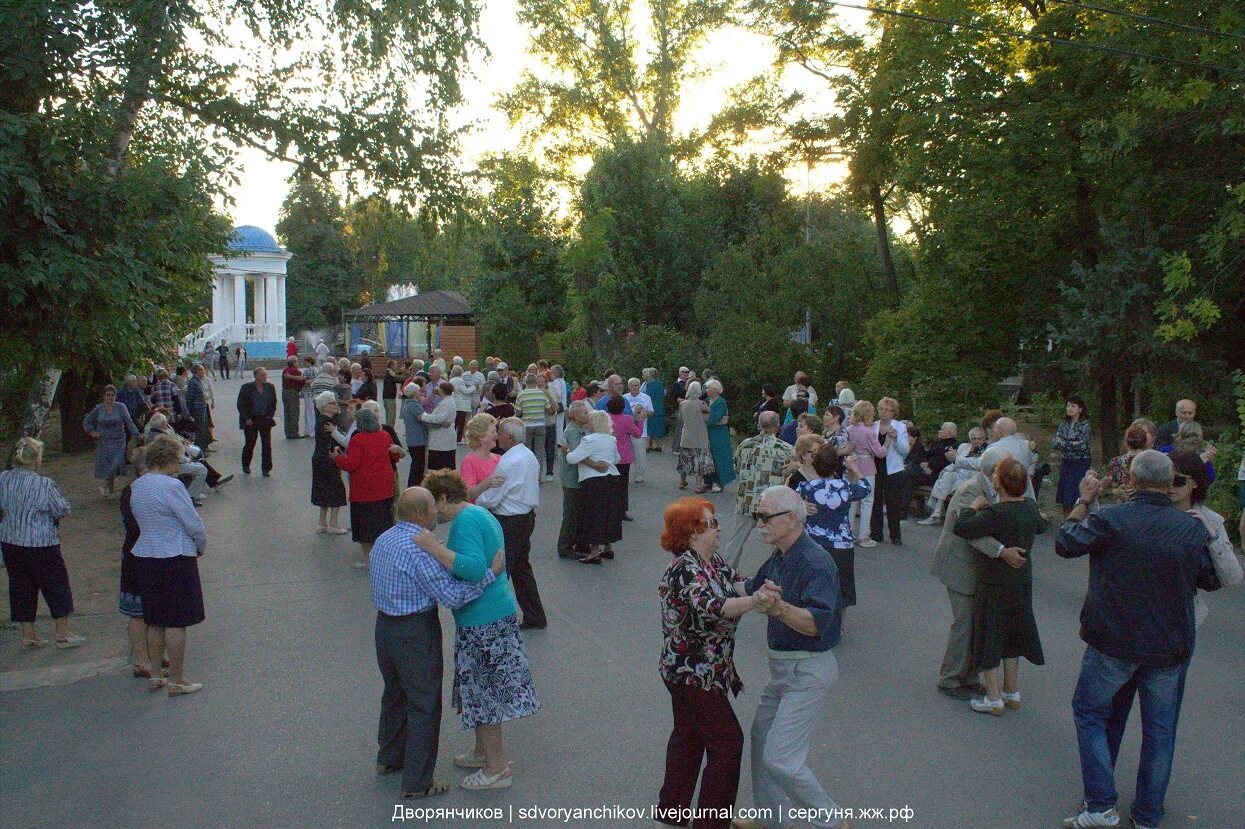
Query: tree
<point>321,278</point>
<point>119,130</point>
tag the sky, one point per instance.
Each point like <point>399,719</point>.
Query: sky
<point>730,56</point>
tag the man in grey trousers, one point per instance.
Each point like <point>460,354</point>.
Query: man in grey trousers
<point>407,585</point>
<point>798,588</point>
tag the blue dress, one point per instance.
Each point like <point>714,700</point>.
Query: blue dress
<point>720,443</point>
<point>114,428</point>
<point>657,421</point>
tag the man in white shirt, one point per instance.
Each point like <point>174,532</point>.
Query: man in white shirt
<point>476,378</point>
<point>638,401</point>
<point>514,505</point>
<point>322,353</point>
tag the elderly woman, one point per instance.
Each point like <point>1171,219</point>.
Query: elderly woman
<point>651,385</point>
<point>863,442</point>
<point>442,439</point>
<point>551,425</point>
<point>719,437</point>
<point>194,470</point>
<point>800,468</point>
<point>109,423</point>
<point>480,462</point>
<point>626,429</point>
<point>130,596</point>
<point>415,429</point>
<point>1189,438</point>
<point>1188,493</point>
<point>369,463</point>
<point>492,678</point>
<point>694,458</point>
<point>31,507</point>
<point>171,539</point>
<point>702,598</point>
<point>600,515</point>
<point>464,394</point>
<point>327,490</point>
<point>835,485</point>
<point>1138,437</point>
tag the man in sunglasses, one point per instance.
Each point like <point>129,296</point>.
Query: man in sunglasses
<point>1146,560</point>
<point>801,597</point>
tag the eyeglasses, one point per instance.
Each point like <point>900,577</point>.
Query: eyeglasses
<point>766,517</point>
<point>1180,480</point>
<point>712,524</point>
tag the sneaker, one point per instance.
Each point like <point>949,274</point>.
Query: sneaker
<point>480,780</point>
<point>931,521</point>
<point>716,488</point>
<point>1012,701</point>
<point>336,530</point>
<point>547,478</point>
<point>985,705</point>
<point>73,640</point>
<point>1087,819</point>
<point>866,542</point>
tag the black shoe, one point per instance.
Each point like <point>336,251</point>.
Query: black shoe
<point>895,542</point>
<point>529,626</point>
<point>246,470</point>
<point>381,768</point>
<point>961,693</point>
<point>627,517</point>
<point>607,554</point>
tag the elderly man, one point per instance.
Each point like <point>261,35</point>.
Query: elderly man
<point>957,564</point>
<point>613,388</point>
<point>476,378</point>
<point>759,461</point>
<point>291,397</point>
<point>438,360</point>
<point>407,585</point>
<point>514,504</point>
<point>430,400</point>
<point>678,391</point>
<point>1186,412</point>
<point>257,413</point>
<point>196,401</point>
<point>132,396</point>
<point>1147,559</point>
<point>803,628</point>
<point>562,394</point>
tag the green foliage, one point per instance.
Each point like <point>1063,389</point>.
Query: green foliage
<point>655,346</point>
<point>507,326</point>
<point>320,279</point>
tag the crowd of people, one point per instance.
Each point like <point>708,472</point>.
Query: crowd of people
<point>820,476</point>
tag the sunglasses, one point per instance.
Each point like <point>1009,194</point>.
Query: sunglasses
<point>712,524</point>
<point>1180,480</point>
<point>766,517</point>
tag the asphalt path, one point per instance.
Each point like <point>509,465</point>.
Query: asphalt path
<point>284,735</point>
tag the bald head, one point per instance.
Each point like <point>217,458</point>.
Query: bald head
<point>1186,410</point>
<point>768,421</point>
<point>614,383</point>
<point>1004,427</point>
<point>417,506</point>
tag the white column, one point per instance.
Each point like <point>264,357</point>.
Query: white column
<point>270,307</point>
<point>218,298</point>
<point>281,325</point>
<point>257,291</point>
<point>239,305</point>
<point>225,287</point>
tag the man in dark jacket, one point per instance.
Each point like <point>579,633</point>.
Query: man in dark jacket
<point>1147,560</point>
<point>257,412</point>
<point>196,401</point>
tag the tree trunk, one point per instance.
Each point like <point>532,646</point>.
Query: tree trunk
<point>1108,415</point>
<point>38,403</point>
<point>74,392</point>
<point>878,203</point>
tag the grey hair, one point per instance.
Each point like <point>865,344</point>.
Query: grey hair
<point>768,420</point>
<point>714,383</point>
<point>513,427</point>
<point>529,380</point>
<point>558,371</point>
<point>493,376</point>
<point>457,370</point>
<point>1151,468</point>
<point>324,398</point>
<point>130,377</point>
<point>785,498</point>
<point>635,380</point>
<point>29,452</point>
<point>693,390</point>
<point>366,420</point>
<point>847,397</point>
<point>949,425</point>
<point>579,406</point>
<point>648,373</point>
<point>976,431</point>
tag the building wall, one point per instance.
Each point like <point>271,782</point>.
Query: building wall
<point>461,341</point>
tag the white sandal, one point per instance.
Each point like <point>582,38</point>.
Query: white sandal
<point>480,780</point>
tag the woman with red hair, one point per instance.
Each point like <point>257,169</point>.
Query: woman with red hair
<point>702,598</point>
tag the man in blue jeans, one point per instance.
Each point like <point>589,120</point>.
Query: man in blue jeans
<point>1147,559</point>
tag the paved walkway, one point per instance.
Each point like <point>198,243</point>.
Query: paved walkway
<point>284,734</point>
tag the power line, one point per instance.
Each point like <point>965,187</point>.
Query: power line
<point>1058,41</point>
<point>1147,18</point>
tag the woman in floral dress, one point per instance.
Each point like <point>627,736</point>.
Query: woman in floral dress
<point>832,493</point>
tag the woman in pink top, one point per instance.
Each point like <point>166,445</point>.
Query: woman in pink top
<point>626,427</point>
<point>480,463</point>
<point>863,442</point>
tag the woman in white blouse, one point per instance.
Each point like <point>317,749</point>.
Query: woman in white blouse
<point>171,539</point>
<point>600,516</point>
<point>1188,492</point>
<point>442,439</point>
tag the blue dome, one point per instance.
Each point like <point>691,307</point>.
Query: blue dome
<point>252,239</point>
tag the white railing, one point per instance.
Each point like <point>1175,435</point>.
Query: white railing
<point>236,332</point>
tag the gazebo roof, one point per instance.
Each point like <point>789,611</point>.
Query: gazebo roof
<point>434,305</point>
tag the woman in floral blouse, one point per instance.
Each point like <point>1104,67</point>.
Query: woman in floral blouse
<point>830,526</point>
<point>1072,438</point>
<point>702,598</point>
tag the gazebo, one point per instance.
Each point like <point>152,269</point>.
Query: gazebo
<point>445,318</point>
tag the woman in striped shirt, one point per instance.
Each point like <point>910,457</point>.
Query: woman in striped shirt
<point>31,506</point>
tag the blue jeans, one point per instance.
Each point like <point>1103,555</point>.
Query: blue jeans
<point>1100,707</point>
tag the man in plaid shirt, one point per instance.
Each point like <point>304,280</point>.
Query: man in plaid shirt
<point>162,392</point>
<point>759,463</point>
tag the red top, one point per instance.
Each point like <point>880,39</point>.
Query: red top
<point>292,378</point>
<point>367,461</point>
<point>625,428</point>
<point>475,470</point>
<point>579,394</point>
<point>291,349</point>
